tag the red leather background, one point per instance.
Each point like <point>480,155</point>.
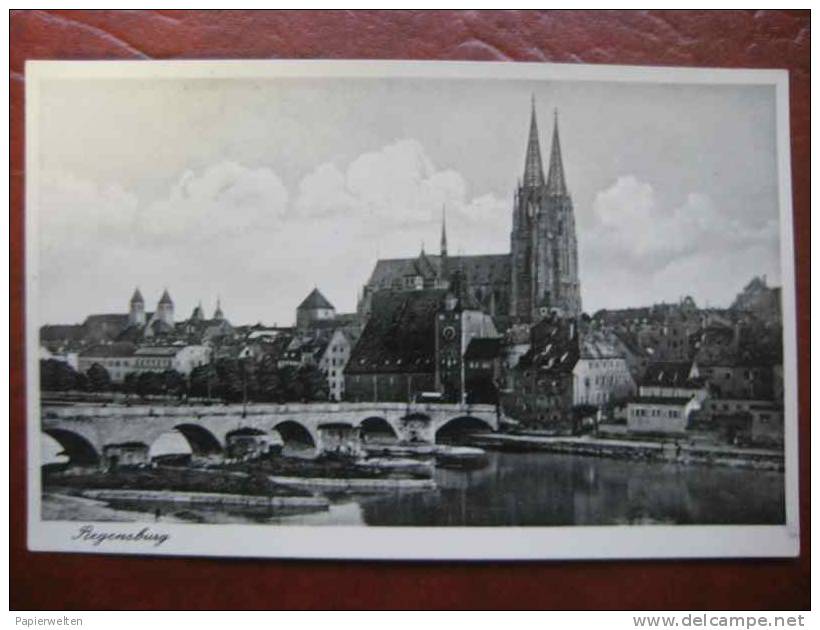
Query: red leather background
<point>730,39</point>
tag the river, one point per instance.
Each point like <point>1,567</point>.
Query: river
<point>552,489</point>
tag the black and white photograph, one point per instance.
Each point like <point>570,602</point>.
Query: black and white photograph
<point>409,310</point>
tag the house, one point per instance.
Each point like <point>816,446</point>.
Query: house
<point>333,362</point>
<point>394,359</point>
<point>483,369</point>
<point>668,415</point>
<point>601,375</point>
<point>117,358</point>
<point>123,358</point>
<point>742,362</point>
<point>315,308</point>
<point>458,321</point>
<point>745,420</point>
<point>414,343</point>
<point>183,359</point>
<point>759,299</point>
<point>539,389</point>
<point>667,398</point>
<point>767,424</point>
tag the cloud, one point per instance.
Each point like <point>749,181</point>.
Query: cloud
<point>397,191</point>
<point>636,250</point>
<point>73,211</point>
<point>224,200</point>
<point>237,231</point>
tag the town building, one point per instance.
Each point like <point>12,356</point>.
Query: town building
<point>394,359</point>
<point>333,362</point>
<point>315,308</point>
<point>139,326</point>
<point>539,388</point>
<point>666,415</point>
<point>459,321</point>
<point>760,300</point>
<point>669,395</point>
<point>123,358</point>
<point>745,420</point>
<point>136,311</point>
<point>484,369</point>
<point>538,276</point>
<point>741,362</point>
<point>117,358</point>
<point>601,374</point>
<point>182,359</point>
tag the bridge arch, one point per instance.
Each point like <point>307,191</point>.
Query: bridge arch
<point>78,448</point>
<point>170,446</point>
<point>377,428</point>
<point>460,425</point>
<point>201,440</point>
<point>296,437</point>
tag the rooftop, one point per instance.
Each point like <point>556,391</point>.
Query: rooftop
<point>672,401</point>
<point>400,334</point>
<point>484,349</point>
<point>314,300</point>
<point>669,374</point>
<point>108,350</point>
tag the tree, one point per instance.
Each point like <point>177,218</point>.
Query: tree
<point>57,376</point>
<point>204,381</point>
<point>250,378</point>
<point>314,383</point>
<point>268,382</point>
<point>99,380</point>
<point>173,383</point>
<point>229,379</point>
<point>149,384</point>
<point>292,386</point>
<point>81,383</point>
<point>129,384</point>
<point>579,413</point>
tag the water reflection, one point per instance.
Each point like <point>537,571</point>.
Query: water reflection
<point>519,489</point>
<point>552,489</point>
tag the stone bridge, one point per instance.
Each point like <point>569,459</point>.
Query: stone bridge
<point>85,430</point>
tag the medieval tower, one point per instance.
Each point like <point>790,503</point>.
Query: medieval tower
<point>544,250</point>
<point>165,309</point>
<point>136,311</point>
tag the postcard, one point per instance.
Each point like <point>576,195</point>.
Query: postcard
<point>409,310</point>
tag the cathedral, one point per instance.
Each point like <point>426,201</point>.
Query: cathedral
<point>540,274</point>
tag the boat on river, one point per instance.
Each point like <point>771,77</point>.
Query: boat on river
<point>444,455</point>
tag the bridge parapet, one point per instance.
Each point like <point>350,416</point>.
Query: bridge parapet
<point>256,409</point>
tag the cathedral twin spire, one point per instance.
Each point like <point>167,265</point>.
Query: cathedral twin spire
<point>533,166</point>
<point>544,251</point>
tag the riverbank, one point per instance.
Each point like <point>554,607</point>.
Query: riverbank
<point>333,468</point>
<point>634,449</point>
<point>214,499</point>
<point>56,506</point>
<point>168,479</point>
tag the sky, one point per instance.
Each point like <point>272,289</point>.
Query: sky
<point>258,190</point>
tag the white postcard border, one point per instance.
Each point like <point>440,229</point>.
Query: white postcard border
<point>444,543</point>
